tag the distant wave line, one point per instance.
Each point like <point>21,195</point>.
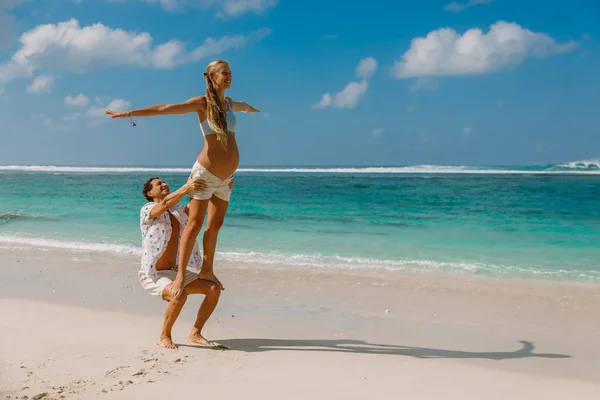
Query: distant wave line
<point>589,167</point>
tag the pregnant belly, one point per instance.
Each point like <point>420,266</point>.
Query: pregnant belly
<point>220,160</point>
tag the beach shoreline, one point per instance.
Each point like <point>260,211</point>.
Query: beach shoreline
<point>374,332</point>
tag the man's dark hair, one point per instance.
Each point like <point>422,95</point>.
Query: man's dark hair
<point>148,187</point>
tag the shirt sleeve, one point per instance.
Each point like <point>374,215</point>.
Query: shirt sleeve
<point>145,214</point>
<point>179,209</point>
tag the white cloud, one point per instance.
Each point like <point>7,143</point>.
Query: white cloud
<point>410,109</point>
<point>41,84</point>
<point>235,8</point>
<point>119,105</point>
<point>325,101</point>
<point>68,46</point>
<point>467,131</point>
<point>377,132</point>
<point>72,117</point>
<point>80,100</point>
<point>353,91</point>
<point>500,104</point>
<point>94,115</point>
<point>330,37</point>
<point>48,122</point>
<point>347,98</point>
<point>38,116</point>
<point>230,8</point>
<point>424,83</point>
<point>456,6</point>
<point>114,105</point>
<point>366,68</point>
<point>212,47</point>
<point>444,52</point>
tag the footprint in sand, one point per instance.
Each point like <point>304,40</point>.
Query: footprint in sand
<point>115,371</point>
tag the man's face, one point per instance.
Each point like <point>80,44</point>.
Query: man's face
<point>159,190</point>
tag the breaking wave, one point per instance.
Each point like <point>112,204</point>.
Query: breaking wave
<point>573,167</point>
<point>317,261</point>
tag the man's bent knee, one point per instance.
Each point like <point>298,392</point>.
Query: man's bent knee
<point>214,292</point>
<point>180,300</point>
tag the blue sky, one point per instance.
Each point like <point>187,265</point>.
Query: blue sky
<point>367,83</point>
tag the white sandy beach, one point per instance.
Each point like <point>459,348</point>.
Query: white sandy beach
<point>77,325</point>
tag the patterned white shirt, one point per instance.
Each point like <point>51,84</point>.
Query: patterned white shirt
<point>156,233</point>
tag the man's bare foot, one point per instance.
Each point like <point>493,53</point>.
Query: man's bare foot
<point>211,277</point>
<point>166,342</point>
<point>202,341</point>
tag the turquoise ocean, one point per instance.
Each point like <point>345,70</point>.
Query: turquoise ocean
<point>538,222</point>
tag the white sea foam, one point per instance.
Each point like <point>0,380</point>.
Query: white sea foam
<point>70,245</point>
<point>52,168</point>
<point>309,260</point>
<point>576,167</point>
<point>583,164</point>
<point>420,169</point>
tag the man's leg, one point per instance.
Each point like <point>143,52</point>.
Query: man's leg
<point>171,314</point>
<point>217,208</point>
<point>212,293</point>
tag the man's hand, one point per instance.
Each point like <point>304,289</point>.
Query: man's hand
<point>231,183</point>
<point>194,185</point>
<point>176,288</point>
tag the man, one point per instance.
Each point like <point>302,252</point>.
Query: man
<point>162,222</point>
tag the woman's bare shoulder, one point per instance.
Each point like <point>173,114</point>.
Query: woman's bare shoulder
<point>201,100</point>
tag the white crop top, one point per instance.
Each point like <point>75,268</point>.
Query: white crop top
<point>231,123</point>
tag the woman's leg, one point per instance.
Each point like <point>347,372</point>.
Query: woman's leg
<point>217,208</point>
<point>197,211</point>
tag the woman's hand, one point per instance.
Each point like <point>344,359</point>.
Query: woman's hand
<point>115,114</point>
<point>250,109</point>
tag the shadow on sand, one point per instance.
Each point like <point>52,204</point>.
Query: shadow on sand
<point>359,346</point>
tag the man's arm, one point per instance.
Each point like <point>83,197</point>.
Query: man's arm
<point>175,197</point>
<point>186,209</point>
<point>237,106</point>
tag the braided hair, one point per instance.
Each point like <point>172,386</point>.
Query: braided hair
<point>217,118</point>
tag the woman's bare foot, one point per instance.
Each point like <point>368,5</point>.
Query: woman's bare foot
<point>166,343</point>
<point>197,338</point>
<point>211,277</point>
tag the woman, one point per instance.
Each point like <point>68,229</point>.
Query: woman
<point>215,164</point>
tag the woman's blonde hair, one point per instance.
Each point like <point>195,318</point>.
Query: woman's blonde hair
<point>217,118</point>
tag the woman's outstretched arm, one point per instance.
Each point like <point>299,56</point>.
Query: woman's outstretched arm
<point>241,106</point>
<point>192,105</point>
